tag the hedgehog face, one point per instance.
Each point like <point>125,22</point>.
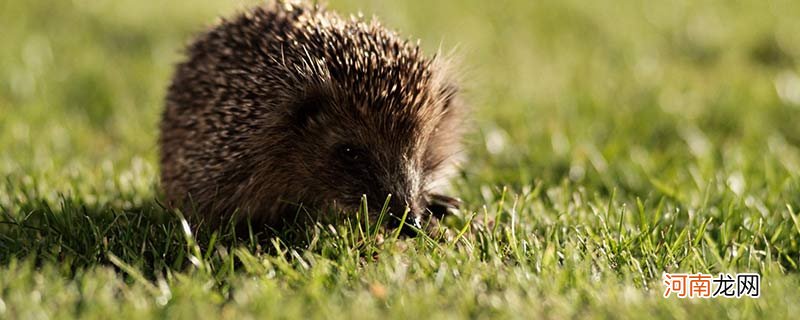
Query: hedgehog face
<point>366,149</point>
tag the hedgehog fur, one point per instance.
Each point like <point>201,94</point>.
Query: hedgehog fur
<point>288,105</point>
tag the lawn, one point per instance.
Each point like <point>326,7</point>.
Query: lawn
<point>610,142</point>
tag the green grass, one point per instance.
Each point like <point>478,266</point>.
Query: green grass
<point>612,143</point>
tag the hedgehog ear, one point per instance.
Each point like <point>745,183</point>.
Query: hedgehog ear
<point>307,110</point>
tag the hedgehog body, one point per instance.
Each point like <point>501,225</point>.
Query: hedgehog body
<point>290,105</point>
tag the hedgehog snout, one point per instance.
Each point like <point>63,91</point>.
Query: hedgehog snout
<point>398,209</point>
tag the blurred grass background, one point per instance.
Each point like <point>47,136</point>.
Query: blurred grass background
<point>695,103</point>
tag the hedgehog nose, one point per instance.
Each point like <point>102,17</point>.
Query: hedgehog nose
<point>412,222</point>
<point>409,227</point>
<point>412,225</point>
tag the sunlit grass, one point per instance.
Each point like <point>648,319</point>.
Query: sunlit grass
<point>611,143</point>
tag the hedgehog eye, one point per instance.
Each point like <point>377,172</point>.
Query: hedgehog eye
<point>350,154</point>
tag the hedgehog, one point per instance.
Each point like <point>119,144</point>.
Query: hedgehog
<point>289,107</point>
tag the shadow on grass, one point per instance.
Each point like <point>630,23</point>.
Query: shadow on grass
<point>149,240</point>
<point>153,239</point>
